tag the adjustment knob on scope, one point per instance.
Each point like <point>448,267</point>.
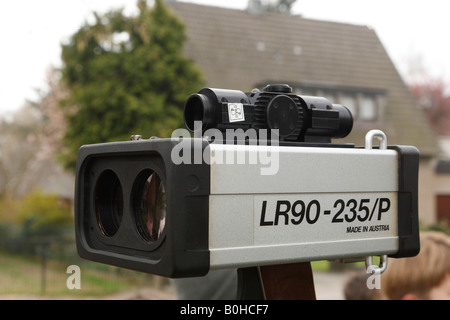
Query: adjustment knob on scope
<point>283,115</point>
<point>279,88</point>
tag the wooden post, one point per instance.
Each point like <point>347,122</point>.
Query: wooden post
<point>278,282</point>
<point>288,282</point>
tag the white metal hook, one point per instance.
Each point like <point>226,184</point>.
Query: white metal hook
<point>380,135</point>
<point>373,269</point>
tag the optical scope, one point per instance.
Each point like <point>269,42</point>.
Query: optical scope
<point>297,118</point>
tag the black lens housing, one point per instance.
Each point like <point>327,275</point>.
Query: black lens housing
<point>171,250</point>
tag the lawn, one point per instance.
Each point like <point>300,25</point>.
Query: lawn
<point>26,278</point>
<point>29,277</point>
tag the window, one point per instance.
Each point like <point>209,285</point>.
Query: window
<point>260,46</point>
<point>367,108</point>
<point>349,102</point>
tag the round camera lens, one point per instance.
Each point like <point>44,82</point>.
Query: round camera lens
<point>149,205</point>
<point>108,203</point>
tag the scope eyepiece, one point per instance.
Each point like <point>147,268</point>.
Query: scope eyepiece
<point>197,108</point>
<point>297,118</point>
<point>206,106</point>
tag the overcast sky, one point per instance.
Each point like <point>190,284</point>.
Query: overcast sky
<point>31,32</point>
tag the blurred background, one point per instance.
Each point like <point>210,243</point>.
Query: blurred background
<point>92,71</point>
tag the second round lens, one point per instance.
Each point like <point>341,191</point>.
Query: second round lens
<point>108,203</point>
<point>149,204</point>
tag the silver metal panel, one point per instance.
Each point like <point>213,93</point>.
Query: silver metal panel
<point>250,224</point>
<point>300,170</point>
<point>231,224</point>
<point>237,237</point>
<point>266,255</point>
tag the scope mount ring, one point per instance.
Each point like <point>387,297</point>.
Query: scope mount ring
<point>380,135</point>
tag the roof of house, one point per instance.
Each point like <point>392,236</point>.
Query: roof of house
<point>238,50</point>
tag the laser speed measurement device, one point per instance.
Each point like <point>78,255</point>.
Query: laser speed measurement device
<point>260,183</point>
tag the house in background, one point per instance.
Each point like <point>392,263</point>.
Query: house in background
<point>345,63</point>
